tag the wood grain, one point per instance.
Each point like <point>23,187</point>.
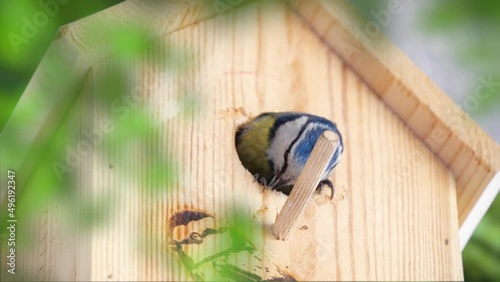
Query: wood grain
<point>431,114</point>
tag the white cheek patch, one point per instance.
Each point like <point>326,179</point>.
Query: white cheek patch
<point>294,168</point>
<point>283,137</point>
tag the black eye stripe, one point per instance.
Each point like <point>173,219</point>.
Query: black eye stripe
<point>287,152</point>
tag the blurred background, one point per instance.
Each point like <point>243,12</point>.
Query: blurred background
<point>455,42</point>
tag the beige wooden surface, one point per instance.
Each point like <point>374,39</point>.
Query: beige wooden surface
<point>472,155</point>
<point>394,215</point>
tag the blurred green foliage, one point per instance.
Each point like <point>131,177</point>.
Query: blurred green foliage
<point>19,61</point>
<point>481,257</point>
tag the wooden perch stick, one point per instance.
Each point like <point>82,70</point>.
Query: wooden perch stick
<point>307,182</point>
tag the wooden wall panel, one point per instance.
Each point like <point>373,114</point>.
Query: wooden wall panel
<point>394,215</point>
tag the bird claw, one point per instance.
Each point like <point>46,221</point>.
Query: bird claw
<point>328,183</point>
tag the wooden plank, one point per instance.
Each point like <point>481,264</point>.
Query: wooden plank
<point>428,111</point>
<point>251,61</point>
<point>308,181</point>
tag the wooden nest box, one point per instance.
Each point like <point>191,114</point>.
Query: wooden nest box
<point>407,190</point>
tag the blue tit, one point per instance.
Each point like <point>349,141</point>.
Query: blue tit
<point>274,147</point>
